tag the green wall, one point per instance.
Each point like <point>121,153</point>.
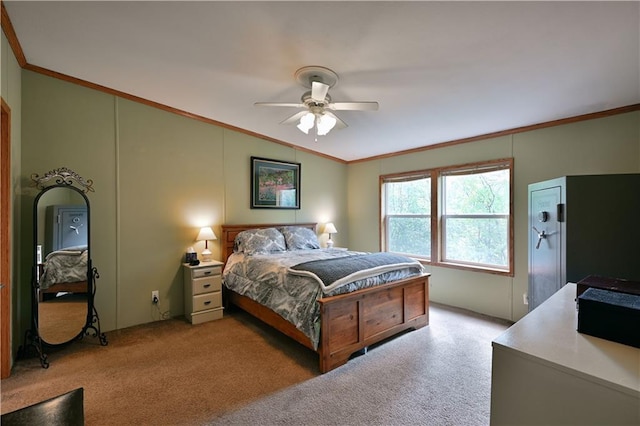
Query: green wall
<point>158,178</point>
<point>601,146</point>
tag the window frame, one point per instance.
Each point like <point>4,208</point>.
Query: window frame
<point>437,218</point>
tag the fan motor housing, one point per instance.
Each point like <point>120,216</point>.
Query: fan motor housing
<point>309,101</point>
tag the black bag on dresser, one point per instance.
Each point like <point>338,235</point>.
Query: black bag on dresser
<point>610,315</point>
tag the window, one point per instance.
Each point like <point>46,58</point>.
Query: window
<point>473,224</point>
<point>475,217</point>
<point>408,216</point>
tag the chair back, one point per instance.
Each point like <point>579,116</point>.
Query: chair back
<point>62,410</point>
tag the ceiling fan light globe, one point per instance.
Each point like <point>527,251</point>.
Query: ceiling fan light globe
<point>303,129</point>
<point>325,124</point>
<point>322,131</point>
<point>306,122</point>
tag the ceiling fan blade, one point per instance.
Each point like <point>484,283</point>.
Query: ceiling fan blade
<point>319,91</point>
<point>353,106</point>
<point>279,104</point>
<point>294,118</point>
<point>339,123</point>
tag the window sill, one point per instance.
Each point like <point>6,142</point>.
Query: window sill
<point>473,268</point>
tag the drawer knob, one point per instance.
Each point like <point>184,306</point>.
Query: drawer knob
<point>207,272</point>
<point>206,285</point>
<point>208,302</point>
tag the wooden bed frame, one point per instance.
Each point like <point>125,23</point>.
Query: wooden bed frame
<point>349,322</point>
<point>70,287</point>
<point>76,287</point>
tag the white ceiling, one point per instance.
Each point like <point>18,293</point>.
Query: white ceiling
<point>441,71</point>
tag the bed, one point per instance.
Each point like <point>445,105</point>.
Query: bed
<point>347,322</point>
<point>64,270</point>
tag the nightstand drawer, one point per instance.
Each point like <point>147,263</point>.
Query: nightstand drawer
<point>200,317</point>
<point>205,272</point>
<point>207,301</point>
<point>207,284</point>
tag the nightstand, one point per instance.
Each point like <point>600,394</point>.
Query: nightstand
<point>203,292</point>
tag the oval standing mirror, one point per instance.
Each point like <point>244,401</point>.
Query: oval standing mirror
<point>63,281</point>
<point>63,228</point>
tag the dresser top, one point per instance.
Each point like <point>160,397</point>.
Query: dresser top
<point>549,335</point>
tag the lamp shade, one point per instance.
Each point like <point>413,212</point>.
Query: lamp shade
<point>330,228</point>
<point>205,234</point>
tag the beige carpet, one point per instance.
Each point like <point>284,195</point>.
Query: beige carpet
<point>238,371</point>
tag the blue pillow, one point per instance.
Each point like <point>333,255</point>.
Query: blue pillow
<point>299,238</point>
<point>259,241</point>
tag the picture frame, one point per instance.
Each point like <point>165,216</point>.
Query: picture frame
<point>275,184</point>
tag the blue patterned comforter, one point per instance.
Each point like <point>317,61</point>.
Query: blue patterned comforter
<point>265,279</point>
<point>65,266</point>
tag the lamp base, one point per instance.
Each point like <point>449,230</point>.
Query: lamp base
<point>329,243</point>
<point>206,255</point>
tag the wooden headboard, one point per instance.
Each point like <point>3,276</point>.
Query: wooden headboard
<point>229,233</point>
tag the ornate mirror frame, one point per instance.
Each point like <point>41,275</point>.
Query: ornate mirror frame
<point>67,179</point>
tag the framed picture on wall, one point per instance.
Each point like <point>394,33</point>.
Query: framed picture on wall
<point>274,184</point>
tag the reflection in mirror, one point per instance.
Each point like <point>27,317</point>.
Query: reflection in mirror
<point>61,252</point>
<point>62,317</point>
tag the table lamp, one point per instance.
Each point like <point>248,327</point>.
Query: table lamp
<point>206,234</point>
<point>330,228</point>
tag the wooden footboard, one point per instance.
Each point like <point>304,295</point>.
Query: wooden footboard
<point>353,321</point>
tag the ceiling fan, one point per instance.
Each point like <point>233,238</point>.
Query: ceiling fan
<point>316,103</point>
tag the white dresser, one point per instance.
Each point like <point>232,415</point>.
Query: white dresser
<point>203,292</point>
<point>546,373</point>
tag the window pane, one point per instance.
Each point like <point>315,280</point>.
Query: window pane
<point>410,197</point>
<point>477,240</point>
<point>408,210</point>
<point>479,193</point>
<point>476,217</point>
<point>410,235</point>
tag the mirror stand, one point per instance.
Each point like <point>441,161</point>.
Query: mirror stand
<point>32,340</point>
<point>92,327</point>
<point>63,282</point>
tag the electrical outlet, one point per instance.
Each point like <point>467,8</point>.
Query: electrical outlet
<point>525,298</point>
<point>155,297</point>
